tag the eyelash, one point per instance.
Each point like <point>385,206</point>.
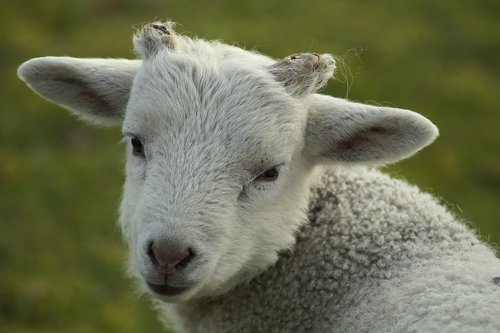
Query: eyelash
<point>270,175</point>
<point>137,145</point>
<point>261,181</point>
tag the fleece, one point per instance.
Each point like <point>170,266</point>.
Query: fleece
<point>376,255</point>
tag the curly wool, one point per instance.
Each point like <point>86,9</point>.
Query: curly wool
<point>378,255</point>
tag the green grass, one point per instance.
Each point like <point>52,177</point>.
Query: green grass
<point>62,259</point>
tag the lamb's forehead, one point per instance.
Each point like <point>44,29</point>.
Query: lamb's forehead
<point>206,83</point>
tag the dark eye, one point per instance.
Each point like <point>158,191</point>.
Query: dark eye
<point>269,175</point>
<point>137,148</point>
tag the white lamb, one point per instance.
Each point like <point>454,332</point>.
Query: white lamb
<point>225,226</point>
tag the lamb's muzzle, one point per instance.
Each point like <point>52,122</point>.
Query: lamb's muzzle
<point>168,264</point>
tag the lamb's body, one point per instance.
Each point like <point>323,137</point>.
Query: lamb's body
<point>222,146</point>
<point>377,255</point>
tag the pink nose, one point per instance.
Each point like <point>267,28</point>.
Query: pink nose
<point>169,260</point>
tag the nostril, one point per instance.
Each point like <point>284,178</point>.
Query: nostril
<point>151,253</point>
<point>189,254</point>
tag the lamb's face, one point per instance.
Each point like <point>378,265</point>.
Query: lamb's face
<point>215,174</point>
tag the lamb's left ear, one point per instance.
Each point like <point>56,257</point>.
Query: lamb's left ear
<point>96,89</point>
<point>346,132</point>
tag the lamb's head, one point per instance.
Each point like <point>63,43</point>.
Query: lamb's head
<point>221,143</point>
<point>216,138</point>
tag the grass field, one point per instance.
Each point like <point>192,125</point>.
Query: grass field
<point>62,260</point>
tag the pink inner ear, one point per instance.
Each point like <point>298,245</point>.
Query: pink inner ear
<point>365,140</point>
<point>354,142</point>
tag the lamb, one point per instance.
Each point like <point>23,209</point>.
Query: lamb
<point>253,204</point>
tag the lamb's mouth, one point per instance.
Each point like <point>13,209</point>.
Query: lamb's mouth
<point>166,290</point>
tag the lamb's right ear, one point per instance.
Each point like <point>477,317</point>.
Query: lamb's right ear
<point>345,132</point>
<point>95,89</point>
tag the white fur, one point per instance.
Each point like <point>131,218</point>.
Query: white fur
<point>211,119</point>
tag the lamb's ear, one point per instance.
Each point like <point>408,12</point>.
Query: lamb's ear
<point>346,132</point>
<point>95,89</point>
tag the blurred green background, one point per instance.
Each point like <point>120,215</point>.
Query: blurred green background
<point>62,261</point>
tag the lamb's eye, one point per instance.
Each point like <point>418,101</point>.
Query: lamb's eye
<point>269,175</point>
<point>137,148</point>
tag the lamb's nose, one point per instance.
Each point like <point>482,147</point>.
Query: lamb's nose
<point>169,260</point>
